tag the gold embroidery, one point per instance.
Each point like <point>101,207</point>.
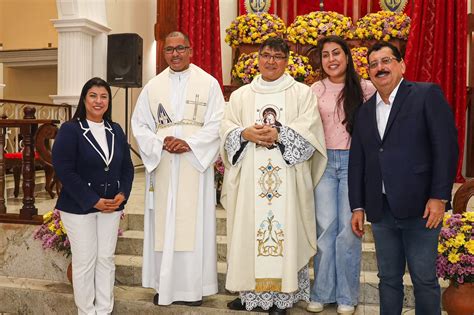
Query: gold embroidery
<point>268,285</point>
<point>269,181</point>
<point>270,237</point>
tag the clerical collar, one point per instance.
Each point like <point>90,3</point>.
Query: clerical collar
<point>180,72</point>
<point>265,87</point>
<point>274,82</point>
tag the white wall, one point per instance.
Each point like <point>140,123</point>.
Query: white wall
<point>137,16</point>
<point>228,12</point>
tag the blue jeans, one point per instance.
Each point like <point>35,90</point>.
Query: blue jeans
<point>401,241</point>
<point>337,262</point>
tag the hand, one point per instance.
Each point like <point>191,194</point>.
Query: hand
<point>175,145</point>
<point>261,135</point>
<point>105,205</point>
<point>357,222</point>
<point>118,200</point>
<point>434,211</point>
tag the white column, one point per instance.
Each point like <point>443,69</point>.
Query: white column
<point>82,46</point>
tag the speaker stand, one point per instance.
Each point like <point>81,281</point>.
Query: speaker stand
<point>126,124</point>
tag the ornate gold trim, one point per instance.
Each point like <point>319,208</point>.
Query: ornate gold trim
<point>257,6</point>
<point>268,284</point>
<point>393,5</point>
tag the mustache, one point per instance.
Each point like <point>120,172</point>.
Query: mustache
<point>381,72</point>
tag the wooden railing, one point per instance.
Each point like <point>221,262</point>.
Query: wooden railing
<point>22,131</point>
<point>13,109</point>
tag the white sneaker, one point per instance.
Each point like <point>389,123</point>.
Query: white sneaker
<point>345,309</point>
<point>315,307</point>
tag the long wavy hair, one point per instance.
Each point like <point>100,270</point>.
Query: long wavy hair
<point>351,96</point>
<point>81,106</point>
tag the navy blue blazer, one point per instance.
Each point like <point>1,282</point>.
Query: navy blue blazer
<point>416,158</point>
<point>80,165</point>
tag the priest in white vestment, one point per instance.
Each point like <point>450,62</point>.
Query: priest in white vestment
<point>274,152</point>
<point>176,124</point>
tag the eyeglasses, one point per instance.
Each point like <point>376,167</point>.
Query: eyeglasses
<point>180,49</point>
<point>385,61</point>
<point>275,57</point>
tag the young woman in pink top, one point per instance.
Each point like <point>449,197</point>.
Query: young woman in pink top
<point>337,262</point>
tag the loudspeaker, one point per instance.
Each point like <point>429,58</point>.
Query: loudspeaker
<point>124,60</point>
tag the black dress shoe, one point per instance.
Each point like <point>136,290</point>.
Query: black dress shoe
<point>155,299</point>
<point>274,310</point>
<point>236,305</point>
<point>186,303</point>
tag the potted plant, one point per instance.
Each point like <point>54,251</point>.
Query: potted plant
<point>254,28</point>
<point>309,28</point>
<point>455,262</point>
<point>383,25</point>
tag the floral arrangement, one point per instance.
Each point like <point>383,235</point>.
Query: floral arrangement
<point>299,67</point>
<point>218,176</point>
<point>455,260</point>
<point>383,25</point>
<point>307,29</point>
<point>52,233</point>
<point>359,56</point>
<point>254,29</point>
<point>246,67</point>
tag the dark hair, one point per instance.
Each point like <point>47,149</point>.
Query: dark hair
<point>81,106</point>
<point>179,34</point>
<point>276,44</point>
<point>379,45</point>
<point>351,96</point>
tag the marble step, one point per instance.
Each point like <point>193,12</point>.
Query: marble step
<point>134,221</point>
<point>131,243</point>
<point>33,296</point>
<point>128,273</point>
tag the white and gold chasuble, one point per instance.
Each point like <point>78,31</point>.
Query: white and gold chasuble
<point>188,179</point>
<point>270,200</point>
<point>271,226</point>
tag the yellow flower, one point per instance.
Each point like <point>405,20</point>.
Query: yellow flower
<point>441,248</point>
<point>254,29</point>
<point>470,247</point>
<point>47,216</point>
<point>312,26</point>
<point>469,215</point>
<point>459,240</point>
<point>453,257</point>
<point>383,25</point>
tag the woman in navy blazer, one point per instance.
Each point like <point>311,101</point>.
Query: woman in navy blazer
<point>91,158</point>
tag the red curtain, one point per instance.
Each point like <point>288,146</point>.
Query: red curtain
<point>436,52</point>
<point>199,19</point>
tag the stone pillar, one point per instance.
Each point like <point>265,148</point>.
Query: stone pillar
<point>82,46</point>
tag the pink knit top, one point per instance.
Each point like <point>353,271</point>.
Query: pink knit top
<point>337,138</point>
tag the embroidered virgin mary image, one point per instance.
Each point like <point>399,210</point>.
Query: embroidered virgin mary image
<point>270,115</point>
